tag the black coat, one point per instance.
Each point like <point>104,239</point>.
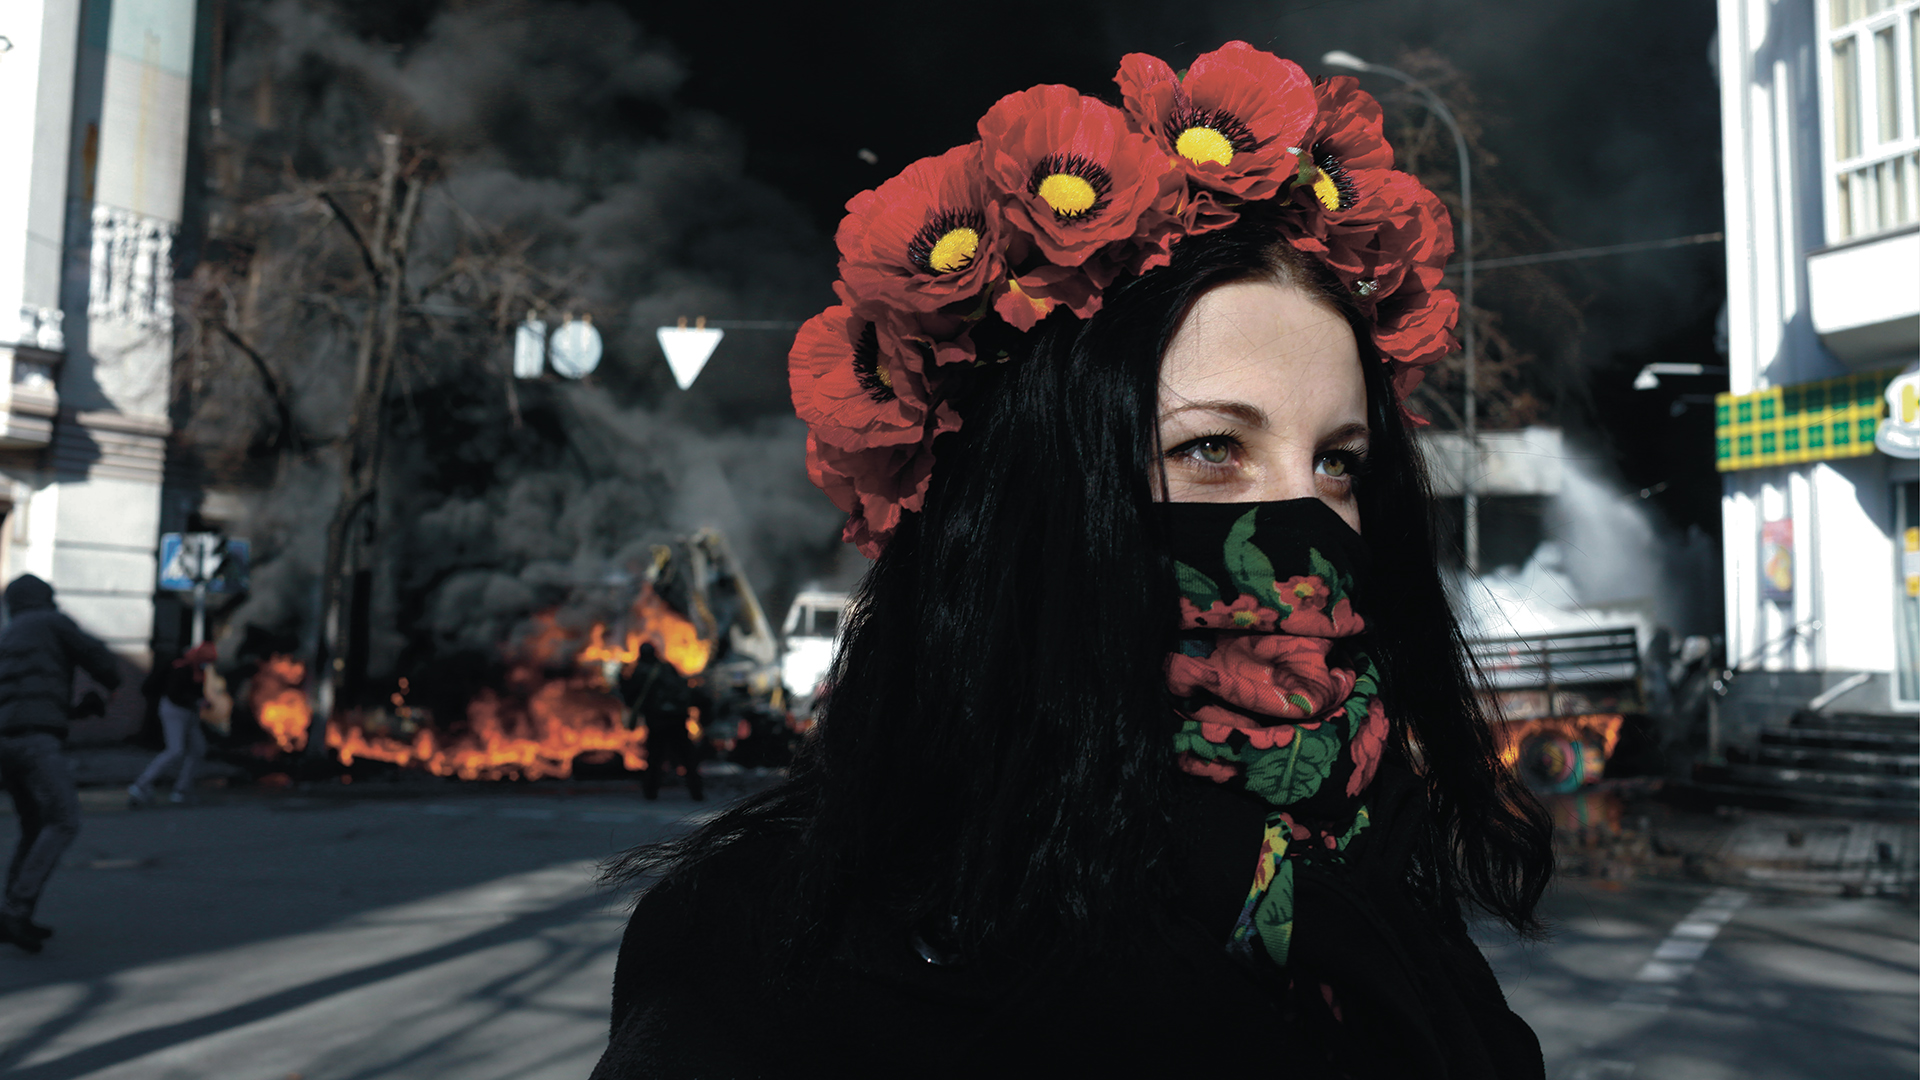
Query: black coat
<point>695,995</point>
<point>39,649</point>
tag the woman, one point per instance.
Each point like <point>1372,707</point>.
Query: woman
<point>1150,745</point>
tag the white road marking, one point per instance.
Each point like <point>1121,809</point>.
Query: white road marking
<point>1673,960</point>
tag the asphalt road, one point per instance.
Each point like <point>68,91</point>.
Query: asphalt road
<point>462,936</point>
<point>1680,981</point>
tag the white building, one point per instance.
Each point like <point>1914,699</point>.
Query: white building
<point>1820,110</point>
<point>94,103</point>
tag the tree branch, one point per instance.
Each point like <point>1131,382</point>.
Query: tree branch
<point>289,431</point>
<point>366,251</point>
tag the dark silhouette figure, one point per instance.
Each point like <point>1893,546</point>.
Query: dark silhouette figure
<point>660,697</point>
<point>39,649</point>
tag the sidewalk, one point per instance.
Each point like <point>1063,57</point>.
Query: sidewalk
<point>1612,833</point>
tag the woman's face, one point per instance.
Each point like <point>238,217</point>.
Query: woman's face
<point>1262,400</point>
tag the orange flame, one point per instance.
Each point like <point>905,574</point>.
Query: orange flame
<point>672,634</point>
<point>542,721</point>
<point>280,703</point>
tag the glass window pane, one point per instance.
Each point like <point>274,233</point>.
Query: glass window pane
<point>1846,101</point>
<point>1887,198</point>
<point>1903,208</point>
<point>1843,210</point>
<point>1886,71</point>
<point>1913,63</point>
<point>1845,11</point>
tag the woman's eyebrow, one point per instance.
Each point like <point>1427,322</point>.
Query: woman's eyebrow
<point>1350,431</point>
<point>1243,412</point>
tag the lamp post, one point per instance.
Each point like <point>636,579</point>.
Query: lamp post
<point>1470,500</point>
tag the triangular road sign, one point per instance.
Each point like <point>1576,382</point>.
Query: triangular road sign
<point>687,350</point>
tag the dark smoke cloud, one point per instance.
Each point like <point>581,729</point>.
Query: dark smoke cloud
<point>1604,117</point>
<point>554,128</point>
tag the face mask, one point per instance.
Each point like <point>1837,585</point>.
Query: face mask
<point>1273,686</point>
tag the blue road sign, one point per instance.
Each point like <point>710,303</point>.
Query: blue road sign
<point>191,559</point>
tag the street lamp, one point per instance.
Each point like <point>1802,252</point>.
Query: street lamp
<point>1469,499</point>
<point>1649,377</point>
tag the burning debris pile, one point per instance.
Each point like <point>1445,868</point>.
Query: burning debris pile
<point>565,688</point>
<point>561,699</point>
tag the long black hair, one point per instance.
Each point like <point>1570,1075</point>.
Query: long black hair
<point>994,757</point>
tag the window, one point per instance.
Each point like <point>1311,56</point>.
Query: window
<point>1871,86</point>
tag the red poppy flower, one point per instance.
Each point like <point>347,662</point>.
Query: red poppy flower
<point>1385,225</point>
<point>1246,613</point>
<point>1348,128</point>
<point>1366,746</point>
<point>1071,174</point>
<point>1272,674</point>
<point>1232,124</point>
<point>877,485</point>
<point>930,236</point>
<point>1304,591</point>
<point>856,383</point>
<point>1415,326</point>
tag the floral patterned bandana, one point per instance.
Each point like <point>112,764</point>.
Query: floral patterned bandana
<point>1273,685</point>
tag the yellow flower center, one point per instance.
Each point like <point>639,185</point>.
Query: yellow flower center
<point>1303,590</point>
<point>954,250</point>
<point>1203,144</point>
<point>1069,195</point>
<point>1326,190</point>
<point>885,377</point>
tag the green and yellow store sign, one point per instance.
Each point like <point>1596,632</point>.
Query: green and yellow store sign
<point>1785,425</point>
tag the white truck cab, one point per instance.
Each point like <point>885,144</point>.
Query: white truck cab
<point>810,636</point>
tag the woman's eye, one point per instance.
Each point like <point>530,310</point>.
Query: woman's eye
<point>1340,465</point>
<point>1207,452</point>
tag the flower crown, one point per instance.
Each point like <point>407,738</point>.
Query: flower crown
<point>1063,195</point>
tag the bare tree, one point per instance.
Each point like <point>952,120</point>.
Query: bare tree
<point>1515,387</point>
<point>314,301</point>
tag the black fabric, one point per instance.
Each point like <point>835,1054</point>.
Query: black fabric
<point>1416,996</point>
<point>39,648</point>
<point>1288,530</point>
<point>696,993</point>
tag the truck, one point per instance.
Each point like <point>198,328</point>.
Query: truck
<point>1560,701</point>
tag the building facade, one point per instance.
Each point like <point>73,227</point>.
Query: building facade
<point>1820,107</point>
<point>96,111</point>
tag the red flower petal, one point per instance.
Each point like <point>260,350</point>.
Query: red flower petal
<point>856,383</point>
<point>1349,126</point>
<point>1366,747</point>
<point>1232,124</point>
<point>1268,674</point>
<point>1245,613</point>
<point>1070,173</point>
<point>1217,771</point>
<point>877,485</point>
<point>1033,296</point>
<point>930,236</point>
<point>1313,622</point>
